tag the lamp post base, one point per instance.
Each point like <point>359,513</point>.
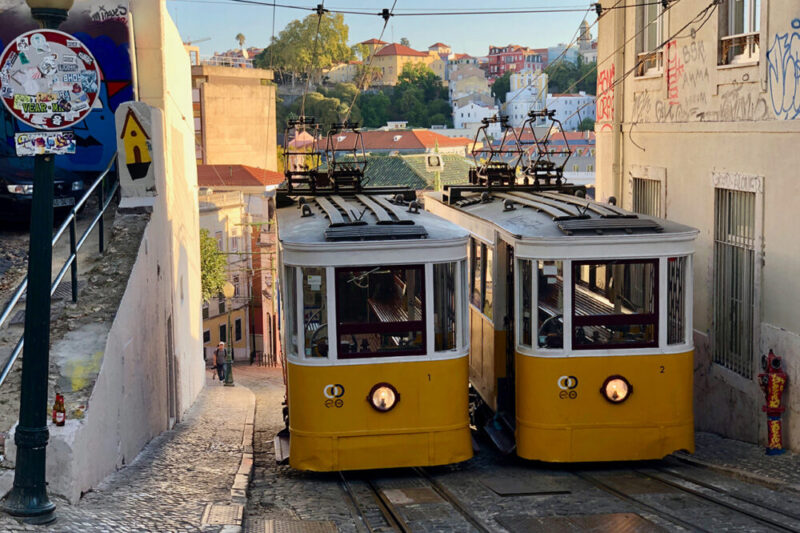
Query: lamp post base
<point>30,506</point>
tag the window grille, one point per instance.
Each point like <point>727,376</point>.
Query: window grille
<point>676,300</point>
<point>647,197</point>
<point>734,279</point>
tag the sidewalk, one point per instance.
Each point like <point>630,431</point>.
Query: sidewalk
<point>745,461</point>
<point>184,480</point>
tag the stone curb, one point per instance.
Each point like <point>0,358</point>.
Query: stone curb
<point>739,473</point>
<point>241,479</point>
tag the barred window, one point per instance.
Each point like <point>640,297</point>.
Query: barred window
<point>647,197</point>
<point>676,300</point>
<point>734,279</point>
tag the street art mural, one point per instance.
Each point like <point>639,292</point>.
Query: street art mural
<point>605,98</point>
<point>783,73</point>
<point>102,26</point>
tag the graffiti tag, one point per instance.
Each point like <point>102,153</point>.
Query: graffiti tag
<point>783,73</point>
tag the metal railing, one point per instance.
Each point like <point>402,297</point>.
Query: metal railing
<point>75,244</point>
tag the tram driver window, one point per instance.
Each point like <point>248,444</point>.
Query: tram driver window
<point>380,311</point>
<point>481,277</point>
<point>444,306</point>
<point>315,313</point>
<point>550,304</point>
<point>615,304</point>
<point>291,309</point>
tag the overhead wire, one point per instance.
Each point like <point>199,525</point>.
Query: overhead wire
<point>387,14</point>
<point>320,13</point>
<point>707,12</point>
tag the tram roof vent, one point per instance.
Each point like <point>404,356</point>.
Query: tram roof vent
<point>348,221</point>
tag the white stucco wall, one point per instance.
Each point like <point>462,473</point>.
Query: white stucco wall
<point>131,402</point>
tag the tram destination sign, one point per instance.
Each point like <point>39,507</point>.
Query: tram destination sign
<point>48,79</point>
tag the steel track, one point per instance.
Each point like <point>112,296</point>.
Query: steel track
<point>719,501</point>
<point>761,518</point>
<point>388,510</point>
<point>450,498</point>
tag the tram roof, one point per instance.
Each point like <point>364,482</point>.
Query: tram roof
<point>553,215</point>
<point>351,218</point>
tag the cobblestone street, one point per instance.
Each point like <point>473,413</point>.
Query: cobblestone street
<point>725,486</point>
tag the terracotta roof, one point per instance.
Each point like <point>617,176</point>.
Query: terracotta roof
<point>462,56</point>
<point>399,140</point>
<point>373,41</point>
<point>233,176</point>
<point>438,45</point>
<point>395,49</point>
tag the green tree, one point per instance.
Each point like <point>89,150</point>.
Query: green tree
<point>212,266</point>
<point>240,39</point>
<point>295,52</point>
<point>565,76</point>
<point>405,42</point>
<point>586,124</point>
<point>501,86</point>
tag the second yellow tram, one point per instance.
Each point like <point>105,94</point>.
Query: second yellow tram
<point>580,323</point>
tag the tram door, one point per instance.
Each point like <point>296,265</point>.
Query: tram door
<point>506,385</point>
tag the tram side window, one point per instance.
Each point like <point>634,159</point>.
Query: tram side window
<point>315,312</point>
<point>444,306</point>
<point>464,305</point>
<point>476,273</point>
<point>291,308</point>
<point>380,311</point>
<point>676,300</point>
<point>526,320</point>
<point>550,304</point>
<point>481,277</point>
<point>615,304</point>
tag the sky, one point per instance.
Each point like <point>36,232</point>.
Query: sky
<point>221,20</point>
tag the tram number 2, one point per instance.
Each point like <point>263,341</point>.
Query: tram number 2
<point>568,386</point>
<point>333,395</point>
<point>661,369</point>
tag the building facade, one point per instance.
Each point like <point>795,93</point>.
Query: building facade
<point>705,131</point>
<point>528,93</point>
<point>572,109</point>
<point>506,58</point>
<point>470,115</point>
<point>234,116</point>
<point>466,80</point>
<point>391,59</point>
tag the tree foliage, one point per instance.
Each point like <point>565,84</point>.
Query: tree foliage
<point>212,266</point>
<point>405,42</point>
<point>293,50</point>
<point>418,97</point>
<point>501,86</point>
<point>566,76</point>
<point>586,124</point>
<point>240,39</point>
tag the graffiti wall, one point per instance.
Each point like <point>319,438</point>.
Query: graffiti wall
<point>693,95</point>
<point>102,26</point>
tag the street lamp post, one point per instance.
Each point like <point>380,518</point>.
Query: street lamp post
<point>28,498</point>
<point>228,290</point>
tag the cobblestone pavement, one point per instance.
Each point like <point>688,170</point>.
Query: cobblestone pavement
<point>507,494</point>
<point>167,487</point>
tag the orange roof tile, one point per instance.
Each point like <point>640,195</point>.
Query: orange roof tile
<point>373,41</point>
<point>233,176</point>
<point>438,45</point>
<point>398,140</point>
<point>395,49</point>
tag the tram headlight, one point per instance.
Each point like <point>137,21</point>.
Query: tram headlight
<point>383,397</point>
<point>616,389</point>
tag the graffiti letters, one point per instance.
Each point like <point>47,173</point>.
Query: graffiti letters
<point>736,105</point>
<point>605,95</point>
<point>642,105</point>
<point>783,73</point>
<point>103,13</point>
<point>674,72</point>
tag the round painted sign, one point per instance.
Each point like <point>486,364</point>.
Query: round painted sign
<point>48,79</point>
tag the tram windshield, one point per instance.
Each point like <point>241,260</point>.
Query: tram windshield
<point>380,311</point>
<point>615,304</point>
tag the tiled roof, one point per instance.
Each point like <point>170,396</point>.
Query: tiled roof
<point>438,45</point>
<point>373,41</point>
<point>399,140</point>
<point>411,171</point>
<point>233,176</point>
<point>395,49</point>
<point>462,56</point>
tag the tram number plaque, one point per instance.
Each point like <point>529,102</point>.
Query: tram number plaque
<point>333,395</point>
<point>48,79</point>
<point>568,386</point>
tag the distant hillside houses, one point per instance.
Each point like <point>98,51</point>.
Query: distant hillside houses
<point>528,93</point>
<point>571,109</point>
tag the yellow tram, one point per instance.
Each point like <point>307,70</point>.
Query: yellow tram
<point>375,337</point>
<point>580,319</point>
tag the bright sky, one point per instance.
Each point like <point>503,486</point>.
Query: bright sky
<point>221,20</point>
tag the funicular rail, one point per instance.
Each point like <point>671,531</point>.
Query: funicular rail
<point>75,244</point>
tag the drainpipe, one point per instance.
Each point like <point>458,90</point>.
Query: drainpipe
<point>618,164</point>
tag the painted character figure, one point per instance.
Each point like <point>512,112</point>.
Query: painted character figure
<point>219,360</point>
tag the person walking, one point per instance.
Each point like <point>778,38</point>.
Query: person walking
<point>219,360</point>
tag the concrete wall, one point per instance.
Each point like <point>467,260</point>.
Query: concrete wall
<point>237,113</point>
<point>696,124</point>
<point>152,366</point>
